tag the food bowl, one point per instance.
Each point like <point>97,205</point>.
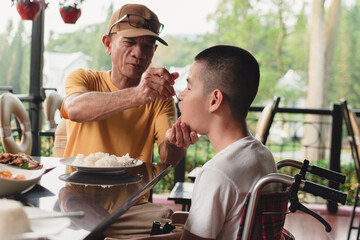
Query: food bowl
<point>13,186</point>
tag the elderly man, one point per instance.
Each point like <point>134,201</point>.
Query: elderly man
<point>119,111</point>
<point>116,111</point>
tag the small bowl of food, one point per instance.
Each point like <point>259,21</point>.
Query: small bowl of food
<point>15,180</point>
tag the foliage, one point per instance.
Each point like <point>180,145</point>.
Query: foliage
<point>87,40</point>
<point>15,58</point>
<point>244,23</point>
<point>345,76</point>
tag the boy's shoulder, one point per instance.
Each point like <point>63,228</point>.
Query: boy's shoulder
<point>245,152</point>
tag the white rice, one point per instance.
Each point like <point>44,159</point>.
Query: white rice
<point>101,159</point>
<point>13,219</point>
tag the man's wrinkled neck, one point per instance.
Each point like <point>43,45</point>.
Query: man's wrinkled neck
<point>122,82</point>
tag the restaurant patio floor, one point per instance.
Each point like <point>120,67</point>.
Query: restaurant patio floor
<point>302,226</point>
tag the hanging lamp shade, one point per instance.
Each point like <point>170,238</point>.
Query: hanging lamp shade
<point>70,14</point>
<point>29,10</point>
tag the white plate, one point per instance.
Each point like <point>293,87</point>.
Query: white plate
<point>108,179</point>
<point>42,228</point>
<point>13,186</point>
<point>70,160</point>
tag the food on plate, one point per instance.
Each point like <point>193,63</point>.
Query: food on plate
<point>101,159</point>
<point>7,174</point>
<point>20,160</point>
<point>13,219</point>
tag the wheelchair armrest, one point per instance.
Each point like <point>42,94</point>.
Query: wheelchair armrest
<point>179,218</point>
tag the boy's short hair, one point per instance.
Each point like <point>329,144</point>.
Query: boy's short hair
<point>235,72</point>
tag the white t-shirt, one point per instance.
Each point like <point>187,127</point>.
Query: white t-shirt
<point>221,187</point>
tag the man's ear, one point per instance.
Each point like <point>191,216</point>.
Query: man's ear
<point>216,100</point>
<point>155,47</point>
<point>106,41</point>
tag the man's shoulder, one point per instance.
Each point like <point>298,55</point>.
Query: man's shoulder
<point>88,73</point>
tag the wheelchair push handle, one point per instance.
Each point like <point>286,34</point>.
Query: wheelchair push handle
<point>319,171</point>
<point>328,174</point>
<point>324,192</point>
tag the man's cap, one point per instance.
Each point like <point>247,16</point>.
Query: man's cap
<point>126,30</point>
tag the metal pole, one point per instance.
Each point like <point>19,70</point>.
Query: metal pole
<point>335,151</point>
<point>36,68</point>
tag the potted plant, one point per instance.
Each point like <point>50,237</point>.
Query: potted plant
<point>70,10</point>
<point>29,9</point>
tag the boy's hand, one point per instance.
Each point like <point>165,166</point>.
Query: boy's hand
<point>180,135</point>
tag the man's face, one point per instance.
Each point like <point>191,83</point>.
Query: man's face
<point>195,103</point>
<point>131,56</point>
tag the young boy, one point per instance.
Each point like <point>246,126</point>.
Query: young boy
<point>222,83</point>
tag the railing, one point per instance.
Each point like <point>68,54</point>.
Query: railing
<point>286,141</point>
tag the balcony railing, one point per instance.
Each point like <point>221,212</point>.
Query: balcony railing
<point>285,141</point>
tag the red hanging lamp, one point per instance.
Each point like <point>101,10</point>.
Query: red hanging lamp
<point>70,10</point>
<point>29,9</point>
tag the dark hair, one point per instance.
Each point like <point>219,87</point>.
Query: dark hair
<point>235,72</point>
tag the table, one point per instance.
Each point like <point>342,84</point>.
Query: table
<point>192,175</point>
<point>53,194</point>
<point>182,194</point>
<point>182,191</point>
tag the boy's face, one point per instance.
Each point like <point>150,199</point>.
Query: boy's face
<point>194,103</point>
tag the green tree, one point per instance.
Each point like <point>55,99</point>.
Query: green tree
<point>87,40</point>
<point>180,52</point>
<point>5,53</point>
<point>16,56</point>
<point>345,77</point>
<point>262,32</point>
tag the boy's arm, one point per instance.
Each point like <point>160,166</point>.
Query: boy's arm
<point>189,236</point>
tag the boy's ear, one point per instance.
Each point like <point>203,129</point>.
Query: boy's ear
<point>216,100</point>
<point>106,41</point>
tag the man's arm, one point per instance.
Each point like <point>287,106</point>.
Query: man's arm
<point>95,106</point>
<point>177,139</point>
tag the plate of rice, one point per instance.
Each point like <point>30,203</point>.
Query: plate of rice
<point>101,162</point>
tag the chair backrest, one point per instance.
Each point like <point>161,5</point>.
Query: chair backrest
<point>270,216</point>
<point>353,131</point>
<point>60,139</point>
<point>265,120</point>
<point>52,103</point>
<point>10,104</point>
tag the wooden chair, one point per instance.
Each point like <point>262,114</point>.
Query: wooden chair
<point>353,132</point>
<point>10,104</point>
<point>52,103</point>
<point>60,140</point>
<point>265,120</point>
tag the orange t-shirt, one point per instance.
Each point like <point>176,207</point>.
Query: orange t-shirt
<point>130,131</point>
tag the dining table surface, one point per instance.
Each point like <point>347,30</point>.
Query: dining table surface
<point>89,193</point>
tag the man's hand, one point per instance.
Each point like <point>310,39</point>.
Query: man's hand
<point>157,83</point>
<point>177,139</point>
<point>180,135</point>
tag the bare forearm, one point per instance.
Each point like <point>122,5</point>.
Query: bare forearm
<point>95,106</point>
<point>171,154</point>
